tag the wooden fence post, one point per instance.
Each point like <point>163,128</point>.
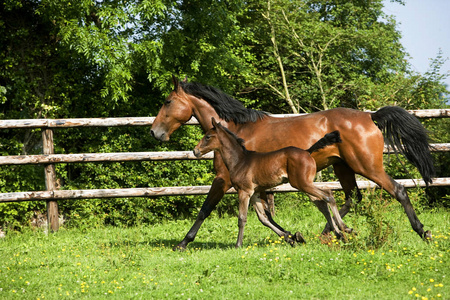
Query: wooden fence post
<point>50,181</point>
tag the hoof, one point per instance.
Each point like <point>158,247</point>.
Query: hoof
<point>326,231</point>
<point>339,235</point>
<point>299,238</point>
<point>289,239</point>
<point>427,236</point>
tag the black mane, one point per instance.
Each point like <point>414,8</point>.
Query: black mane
<point>226,106</point>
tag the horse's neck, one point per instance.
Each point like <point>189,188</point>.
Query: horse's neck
<point>232,153</point>
<point>203,112</point>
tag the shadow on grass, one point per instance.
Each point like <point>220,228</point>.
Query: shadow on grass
<point>170,243</point>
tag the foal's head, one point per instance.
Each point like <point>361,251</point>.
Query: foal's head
<point>215,138</point>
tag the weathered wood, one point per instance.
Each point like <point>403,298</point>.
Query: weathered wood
<point>184,190</point>
<point>50,181</point>
<point>100,157</point>
<point>148,121</point>
<point>82,122</point>
<point>443,147</point>
<point>419,113</point>
<point>130,156</point>
<point>431,113</point>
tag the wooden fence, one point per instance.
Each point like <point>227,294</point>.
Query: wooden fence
<point>49,159</point>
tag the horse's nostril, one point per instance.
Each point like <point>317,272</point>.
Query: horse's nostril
<point>152,133</point>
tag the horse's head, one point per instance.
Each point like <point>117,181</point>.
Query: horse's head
<point>210,140</point>
<point>175,111</point>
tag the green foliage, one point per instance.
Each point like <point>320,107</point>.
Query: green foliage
<point>371,212</point>
<point>133,211</point>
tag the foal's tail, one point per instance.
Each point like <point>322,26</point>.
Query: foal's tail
<point>406,134</point>
<point>329,139</point>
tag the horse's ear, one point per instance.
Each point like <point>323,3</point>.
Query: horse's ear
<point>175,82</point>
<point>185,80</point>
<point>214,123</point>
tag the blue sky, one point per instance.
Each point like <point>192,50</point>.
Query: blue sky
<point>425,28</point>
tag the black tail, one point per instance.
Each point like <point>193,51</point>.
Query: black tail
<point>329,139</point>
<point>406,134</point>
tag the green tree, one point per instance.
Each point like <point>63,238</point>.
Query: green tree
<point>321,54</point>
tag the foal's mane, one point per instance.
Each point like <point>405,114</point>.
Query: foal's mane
<point>239,140</point>
<point>226,106</point>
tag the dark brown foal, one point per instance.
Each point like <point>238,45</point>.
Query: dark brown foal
<point>254,172</point>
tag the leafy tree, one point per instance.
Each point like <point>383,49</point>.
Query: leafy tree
<point>321,54</point>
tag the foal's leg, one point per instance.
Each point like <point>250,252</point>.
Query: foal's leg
<point>325,197</point>
<point>323,208</point>
<point>270,202</point>
<point>347,179</point>
<point>265,218</point>
<point>301,172</point>
<point>267,209</point>
<point>332,203</point>
<point>244,200</point>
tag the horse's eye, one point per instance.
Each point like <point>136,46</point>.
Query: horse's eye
<point>207,137</point>
<point>167,102</point>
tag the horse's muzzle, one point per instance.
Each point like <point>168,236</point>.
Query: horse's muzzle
<point>163,137</point>
<point>197,153</point>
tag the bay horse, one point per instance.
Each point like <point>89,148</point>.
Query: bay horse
<point>361,150</point>
<point>254,172</point>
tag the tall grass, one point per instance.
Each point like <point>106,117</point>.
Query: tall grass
<point>384,259</point>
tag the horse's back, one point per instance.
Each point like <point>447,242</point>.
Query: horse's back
<point>272,133</point>
<point>357,130</point>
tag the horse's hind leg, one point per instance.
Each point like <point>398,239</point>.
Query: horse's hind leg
<point>265,218</point>
<point>375,172</point>
<point>403,198</point>
<point>398,191</point>
<point>268,213</point>
<point>347,180</point>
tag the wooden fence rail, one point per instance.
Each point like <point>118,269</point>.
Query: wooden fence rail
<point>131,156</point>
<point>49,159</point>
<point>148,121</point>
<point>184,190</point>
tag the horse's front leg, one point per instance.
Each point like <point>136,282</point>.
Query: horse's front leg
<point>215,194</point>
<point>244,200</point>
<point>347,179</point>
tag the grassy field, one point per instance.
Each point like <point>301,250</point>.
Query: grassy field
<point>385,260</point>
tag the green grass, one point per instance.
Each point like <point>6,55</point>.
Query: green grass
<point>138,263</point>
